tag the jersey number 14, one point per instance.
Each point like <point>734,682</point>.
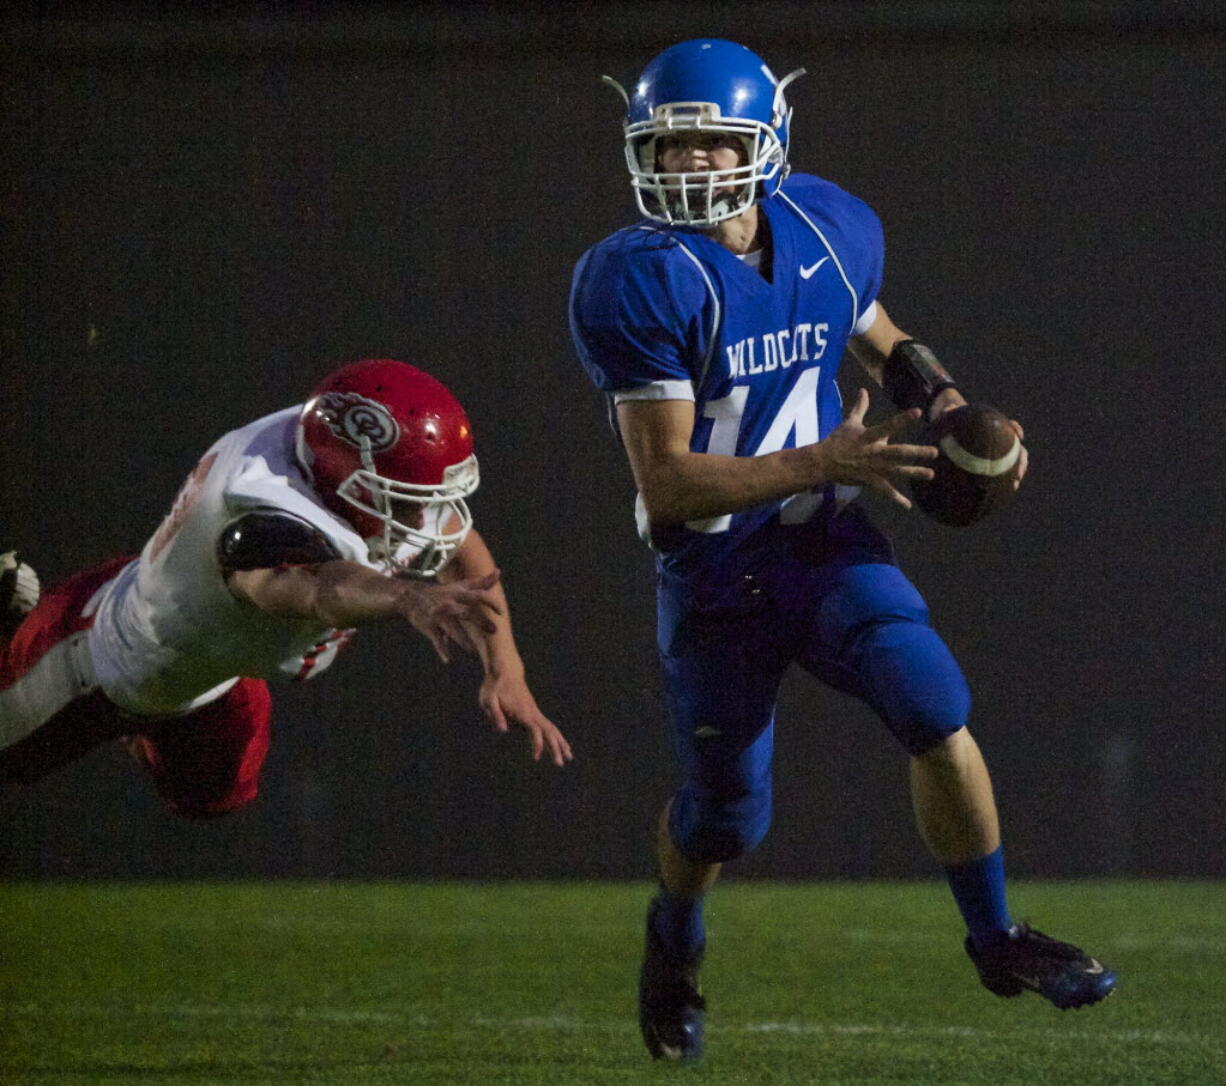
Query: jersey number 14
<point>797,413</point>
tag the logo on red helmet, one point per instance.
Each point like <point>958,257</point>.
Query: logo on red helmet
<point>352,417</point>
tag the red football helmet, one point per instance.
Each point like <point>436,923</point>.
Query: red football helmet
<point>389,449</point>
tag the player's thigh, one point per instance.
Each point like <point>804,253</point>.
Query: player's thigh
<point>721,665</point>
<point>872,638</point>
<point>208,762</point>
<point>51,711</point>
<point>63,609</point>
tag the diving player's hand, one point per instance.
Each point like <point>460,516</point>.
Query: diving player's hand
<point>857,455</point>
<point>506,700</point>
<point>439,610</point>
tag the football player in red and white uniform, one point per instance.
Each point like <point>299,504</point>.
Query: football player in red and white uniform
<point>291,531</point>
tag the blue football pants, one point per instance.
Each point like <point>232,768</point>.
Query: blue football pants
<point>861,628</point>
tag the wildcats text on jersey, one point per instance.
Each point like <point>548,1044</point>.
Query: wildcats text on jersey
<point>802,343</point>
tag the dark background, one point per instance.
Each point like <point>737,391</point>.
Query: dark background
<point>203,213</point>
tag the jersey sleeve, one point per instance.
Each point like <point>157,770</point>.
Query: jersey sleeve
<point>854,229</point>
<point>862,245</point>
<point>264,476</point>
<point>871,264</point>
<point>635,318</point>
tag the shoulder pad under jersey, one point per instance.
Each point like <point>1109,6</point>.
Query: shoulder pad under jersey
<point>264,538</point>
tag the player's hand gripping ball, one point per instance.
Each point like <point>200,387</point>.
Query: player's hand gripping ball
<point>977,469</point>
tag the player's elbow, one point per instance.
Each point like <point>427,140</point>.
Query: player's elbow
<point>663,503</point>
<point>668,494</point>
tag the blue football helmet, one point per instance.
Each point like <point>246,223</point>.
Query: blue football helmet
<point>706,85</point>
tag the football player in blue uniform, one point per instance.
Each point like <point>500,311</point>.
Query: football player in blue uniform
<point>715,326</point>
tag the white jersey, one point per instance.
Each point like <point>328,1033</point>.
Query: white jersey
<point>168,635</point>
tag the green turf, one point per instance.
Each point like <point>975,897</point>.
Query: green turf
<point>519,983</point>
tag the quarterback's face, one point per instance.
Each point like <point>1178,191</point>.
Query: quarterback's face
<point>696,151</point>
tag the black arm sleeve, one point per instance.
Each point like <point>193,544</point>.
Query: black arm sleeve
<point>266,538</point>
<point>913,376</point>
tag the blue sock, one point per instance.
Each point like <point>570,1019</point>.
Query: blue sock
<point>677,922</point>
<point>979,889</point>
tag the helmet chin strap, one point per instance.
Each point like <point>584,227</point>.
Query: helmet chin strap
<point>713,207</point>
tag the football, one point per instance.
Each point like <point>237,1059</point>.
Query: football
<point>978,465</point>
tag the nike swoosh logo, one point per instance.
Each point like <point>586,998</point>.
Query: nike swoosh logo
<point>807,273</point>
<point>1094,968</point>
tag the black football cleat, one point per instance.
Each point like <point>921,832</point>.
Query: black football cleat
<point>19,591</point>
<point>670,1004</point>
<point>1028,960</point>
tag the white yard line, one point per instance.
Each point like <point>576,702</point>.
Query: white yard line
<point>560,1023</point>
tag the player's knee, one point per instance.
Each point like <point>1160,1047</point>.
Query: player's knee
<point>710,829</point>
<point>945,751</point>
<point>926,729</point>
<point>917,686</point>
<point>929,728</point>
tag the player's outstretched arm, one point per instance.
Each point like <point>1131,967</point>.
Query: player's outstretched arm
<point>504,696</point>
<point>678,484</point>
<point>346,594</point>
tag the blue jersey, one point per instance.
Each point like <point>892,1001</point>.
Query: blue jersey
<point>663,312</point>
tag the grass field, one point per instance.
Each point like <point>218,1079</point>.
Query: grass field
<point>360,983</point>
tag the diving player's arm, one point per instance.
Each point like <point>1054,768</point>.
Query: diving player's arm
<point>677,484</point>
<point>284,566</point>
<point>874,350</point>
<point>346,594</point>
<point>504,697</point>
<point>493,642</point>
